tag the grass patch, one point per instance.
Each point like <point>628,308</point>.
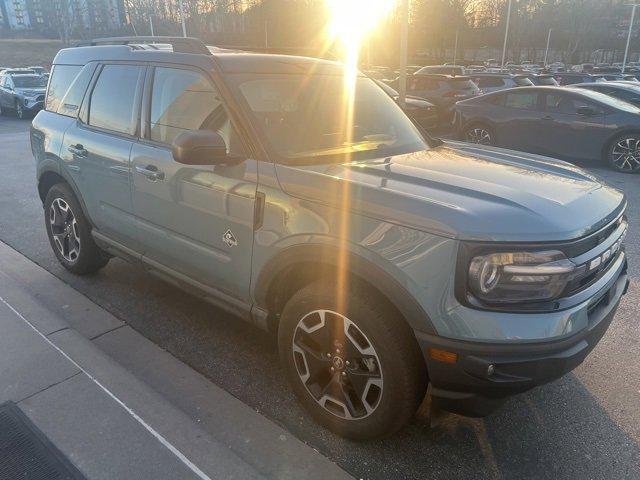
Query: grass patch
<point>26,52</point>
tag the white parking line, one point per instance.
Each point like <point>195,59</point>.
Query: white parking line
<point>148,427</point>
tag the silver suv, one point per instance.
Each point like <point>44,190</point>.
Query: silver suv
<point>304,200</point>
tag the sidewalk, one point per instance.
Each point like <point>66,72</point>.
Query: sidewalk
<point>119,407</point>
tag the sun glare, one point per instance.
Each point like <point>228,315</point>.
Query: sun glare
<point>350,23</point>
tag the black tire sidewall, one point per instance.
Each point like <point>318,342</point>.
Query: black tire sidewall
<point>90,257</point>
<point>403,370</point>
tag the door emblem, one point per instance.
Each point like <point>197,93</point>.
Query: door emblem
<point>230,239</point>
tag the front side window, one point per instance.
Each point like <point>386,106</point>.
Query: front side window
<point>184,100</point>
<point>114,98</point>
<point>566,104</point>
<point>309,118</point>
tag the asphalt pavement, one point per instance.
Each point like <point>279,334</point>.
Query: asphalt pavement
<point>585,425</point>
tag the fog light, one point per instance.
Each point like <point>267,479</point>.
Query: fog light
<point>443,355</point>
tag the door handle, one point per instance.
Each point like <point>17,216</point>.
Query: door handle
<point>77,150</point>
<point>151,172</point>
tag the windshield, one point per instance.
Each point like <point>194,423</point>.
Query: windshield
<point>29,81</point>
<point>304,118</point>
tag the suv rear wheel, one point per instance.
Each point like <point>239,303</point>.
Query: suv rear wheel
<point>352,361</point>
<point>69,232</point>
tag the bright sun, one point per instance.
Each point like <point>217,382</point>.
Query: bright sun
<point>352,20</point>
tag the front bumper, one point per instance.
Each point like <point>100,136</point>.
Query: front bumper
<point>470,387</point>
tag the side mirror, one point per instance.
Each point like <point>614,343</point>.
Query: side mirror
<point>199,147</point>
<point>585,111</point>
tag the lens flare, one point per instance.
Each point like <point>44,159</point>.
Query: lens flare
<point>350,23</point>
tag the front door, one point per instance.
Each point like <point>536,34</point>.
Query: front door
<point>96,150</point>
<point>570,134</point>
<point>196,220</point>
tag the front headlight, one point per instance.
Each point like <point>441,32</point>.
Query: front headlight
<point>512,277</point>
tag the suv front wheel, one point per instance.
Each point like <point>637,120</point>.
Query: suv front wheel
<point>69,232</point>
<point>352,360</point>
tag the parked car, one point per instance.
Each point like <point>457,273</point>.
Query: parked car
<point>628,91</point>
<point>492,82</point>
<point>38,70</point>
<point>571,123</point>
<point>569,78</point>
<point>22,94</point>
<point>542,79</point>
<point>442,90</point>
<point>583,67</point>
<point>442,70</point>
<point>383,259</point>
<point>607,77</point>
<point>18,71</point>
<point>421,111</point>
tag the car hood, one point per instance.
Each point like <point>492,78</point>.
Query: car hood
<point>466,192</point>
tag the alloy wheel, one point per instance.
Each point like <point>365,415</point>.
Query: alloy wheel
<point>64,230</point>
<point>479,135</point>
<point>337,364</point>
<point>625,154</point>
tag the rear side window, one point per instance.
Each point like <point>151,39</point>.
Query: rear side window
<point>61,78</point>
<point>521,101</point>
<point>417,83</point>
<point>523,82</point>
<point>114,98</point>
<point>463,84</point>
<point>488,82</point>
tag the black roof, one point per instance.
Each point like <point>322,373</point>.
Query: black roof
<point>170,50</point>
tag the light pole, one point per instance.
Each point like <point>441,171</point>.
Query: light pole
<point>404,40</point>
<point>626,49</point>
<point>546,51</point>
<point>506,35</point>
<point>151,24</point>
<point>184,27</point>
<point>455,47</point>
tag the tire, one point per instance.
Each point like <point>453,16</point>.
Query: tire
<point>623,154</point>
<point>479,134</point>
<point>19,111</point>
<point>69,232</point>
<point>378,363</point>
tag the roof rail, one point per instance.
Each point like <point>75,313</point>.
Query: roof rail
<point>179,44</point>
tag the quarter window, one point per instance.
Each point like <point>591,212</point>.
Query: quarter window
<point>61,78</point>
<point>114,97</point>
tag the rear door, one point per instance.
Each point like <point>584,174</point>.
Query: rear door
<point>568,133</point>
<point>97,147</point>
<point>196,220</point>
<point>521,120</point>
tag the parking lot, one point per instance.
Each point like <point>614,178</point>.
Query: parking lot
<point>585,425</point>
